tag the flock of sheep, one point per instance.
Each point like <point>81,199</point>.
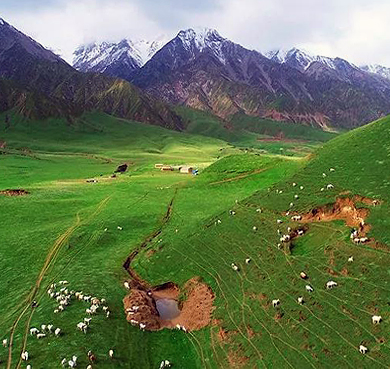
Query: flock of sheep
<point>286,238</point>
<point>64,297</point>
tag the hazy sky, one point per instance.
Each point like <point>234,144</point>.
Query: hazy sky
<point>357,30</point>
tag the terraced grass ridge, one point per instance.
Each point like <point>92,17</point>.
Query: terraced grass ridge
<point>146,228</point>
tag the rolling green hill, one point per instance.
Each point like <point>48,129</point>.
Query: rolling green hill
<point>67,229</point>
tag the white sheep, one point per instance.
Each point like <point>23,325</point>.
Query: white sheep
<point>57,332</point>
<point>296,197</point>
<point>235,267</point>
<point>49,328</point>
<point>309,288</point>
<point>329,186</point>
<point>119,228</point>
<point>300,300</point>
<point>331,284</point>
<point>363,349</point>
<point>301,187</point>
<point>63,362</point>
<point>43,327</point>
<point>127,285</point>
<point>350,259</point>
<point>111,353</point>
<point>41,335</point>
<point>71,364</point>
<point>87,320</point>
<point>254,228</point>
<point>34,331</point>
<point>24,355</point>
<point>247,260</point>
<point>28,366</point>
<point>258,210</point>
<point>376,319</point>
<point>142,326</point>
<point>294,184</point>
<point>5,342</point>
<point>275,302</point>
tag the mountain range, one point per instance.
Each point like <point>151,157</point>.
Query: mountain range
<point>203,70</point>
<point>145,80</point>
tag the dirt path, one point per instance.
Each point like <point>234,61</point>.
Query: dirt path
<point>49,261</point>
<point>136,280</point>
<point>241,176</point>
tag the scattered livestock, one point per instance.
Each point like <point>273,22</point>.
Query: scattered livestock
<point>296,218</point>
<point>309,288</point>
<point>303,275</point>
<point>350,259</point>
<point>363,349</point>
<point>24,355</point>
<point>291,204</point>
<point>247,260</point>
<point>300,232</point>
<point>324,175</point>
<point>254,228</point>
<point>34,331</point>
<point>258,210</point>
<point>361,240</point>
<point>5,342</point>
<point>279,221</point>
<point>119,228</point>
<point>41,335</point>
<point>57,332</point>
<point>127,285</point>
<point>235,267</point>
<point>296,196</point>
<point>331,284</point>
<point>285,238</point>
<point>300,300</point>
<point>376,319</point>
<point>275,303</point>
<point>28,366</point>
<point>329,186</point>
<point>294,184</point>
<point>165,364</point>
<point>332,170</point>
<point>232,212</point>
<point>111,353</point>
<point>301,187</point>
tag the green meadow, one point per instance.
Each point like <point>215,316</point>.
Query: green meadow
<point>67,229</point>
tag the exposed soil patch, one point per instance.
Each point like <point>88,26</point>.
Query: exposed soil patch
<point>237,359</point>
<point>195,311</point>
<point>17,192</point>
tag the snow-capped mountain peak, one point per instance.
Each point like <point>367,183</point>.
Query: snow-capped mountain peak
<point>298,58</point>
<point>377,69</point>
<point>198,39</point>
<point>99,56</point>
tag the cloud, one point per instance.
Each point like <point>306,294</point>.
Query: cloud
<point>354,29</point>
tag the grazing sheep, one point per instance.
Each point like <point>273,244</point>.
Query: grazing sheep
<point>279,221</point>
<point>103,301</point>
<point>28,366</point>
<point>142,326</point>
<point>57,332</point>
<point>119,228</point>
<point>111,353</point>
<point>34,331</point>
<point>322,189</point>
<point>247,260</point>
<point>108,314</point>
<point>296,218</point>
<point>330,285</point>
<point>41,335</point>
<point>296,197</point>
<point>218,221</point>
<point>5,342</point>
<point>24,355</point>
<point>303,275</point>
<point>300,232</point>
<point>300,300</point>
<point>71,364</point>
<point>258,210</point>
<point>235,267</point>
<point>350,259</point>
<point>89,366</point>
<point>127,285</point>
<point>49,327</point>
<point>301,187</point>
<point>43,327</point>
<point>275,303</point>
<point>363,349</point>
<point>291,204</point>
<point>105,308</point>
<point>63,362</point>
<point>254,228</point>
<point>87,320</point>
<point>332,170</point>
<point>324,175</point>
<point>309,288</point>
<point>91,356</point>
<point>376,319</point>
<point>294,184</point>
<point>74,359</point>
<point>329,186</point>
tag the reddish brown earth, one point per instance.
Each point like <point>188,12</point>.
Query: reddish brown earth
<point>17,192</point>
<point>195,311</point>
<point>343,209</point>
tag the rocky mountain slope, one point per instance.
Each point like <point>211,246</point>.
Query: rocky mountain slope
<point>38,83</point>
<point>201,69</point>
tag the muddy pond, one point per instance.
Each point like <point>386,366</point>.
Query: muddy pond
<point>167,308</point>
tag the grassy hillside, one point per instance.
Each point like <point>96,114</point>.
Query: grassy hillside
<point>326,331</point>
<point>56,232</point>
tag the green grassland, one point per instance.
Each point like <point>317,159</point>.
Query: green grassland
<point>64,217</point>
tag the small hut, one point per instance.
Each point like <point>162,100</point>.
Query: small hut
<point>186,170</point>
